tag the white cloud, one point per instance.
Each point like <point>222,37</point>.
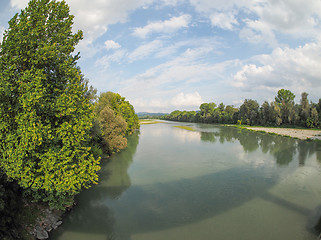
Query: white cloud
<point>210,5</point>
<point>2,29</point>
<point>224,20</point>
<point>297,69</point>
<point>167,86</point>
<point>167,26</point>
<point>94,16</point>
<point>187,100</point>
<point>289,15</point>
<point>19,3</point>
<point>264,19</point>
<point>145,50</point>
<point>110,44</point>
<point>257,32</point>
<point>116,57</point>
<point>299,19</point>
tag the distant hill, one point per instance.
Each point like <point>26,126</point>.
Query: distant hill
<point>150,115</point>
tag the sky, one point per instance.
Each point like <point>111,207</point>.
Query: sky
<point>166,55</point>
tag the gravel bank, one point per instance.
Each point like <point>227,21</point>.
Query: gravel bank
<point>292,132</point>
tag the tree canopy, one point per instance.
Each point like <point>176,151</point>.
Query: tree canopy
<point>45,116</point>
<point>115,120</point>
<point>121,107</point>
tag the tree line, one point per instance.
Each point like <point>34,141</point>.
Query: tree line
<point>53,127</point>
<point>281,112</point>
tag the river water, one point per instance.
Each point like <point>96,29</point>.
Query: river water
<point>212,183</point>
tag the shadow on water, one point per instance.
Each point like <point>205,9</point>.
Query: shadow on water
<point>161,206</point>
<point>165,205</point>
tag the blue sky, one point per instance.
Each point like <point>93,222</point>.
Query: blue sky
<point>176,54</point>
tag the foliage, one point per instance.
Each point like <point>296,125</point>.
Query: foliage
<point>209,113</point>
<point>284,97</point>
<point>285,100</point>
<point>305,107</point>
<point>249,112</point>
<point>121,107</point>
<point>283,111</point>
<point>115,119</point>
<point>113,129</point>
<point>45,116</point>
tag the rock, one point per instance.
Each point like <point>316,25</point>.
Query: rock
<point>41,233</point>
<point>57,224</point>
<point>48,228</point>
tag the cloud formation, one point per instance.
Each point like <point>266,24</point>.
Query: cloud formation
<point>110,44</point>
<point>167,26</point>
<point>19,4</point>
<point>224,20</point>
<point>223,50</point>
<point>145,50</point>
<point>187,100</point>
<point>297,69</point>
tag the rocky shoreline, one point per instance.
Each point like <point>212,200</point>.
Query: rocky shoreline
<point>50,221</point>
<point>47,221</point>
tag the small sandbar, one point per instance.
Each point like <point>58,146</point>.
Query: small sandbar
<point>186,128</point>
<point>144,122</point>
<point>291,132</point>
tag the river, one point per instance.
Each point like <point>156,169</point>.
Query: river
<point>211,183</point>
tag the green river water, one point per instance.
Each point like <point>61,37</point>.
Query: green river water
<point>215,182</point>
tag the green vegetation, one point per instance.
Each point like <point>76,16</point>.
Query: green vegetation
<point>282,112</point>
<point>186,128</point>
<point>52,130</point>
<point>45,116</point>
<point>121,108</point>
<point>115,119</point>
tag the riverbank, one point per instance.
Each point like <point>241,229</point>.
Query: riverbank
<point>302,134</point>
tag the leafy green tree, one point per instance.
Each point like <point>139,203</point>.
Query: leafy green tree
<point>207,112</point>
<point>313,120</point>
<point>121,107</point>
<point>266,114</point>
<point>45,116</point>
<point>318,108</point>
<point>115,118</point>
<point>249,112</point>
<point>305,108</point>
<point>229,113</point>
<point>276,114</point>
<point>284,96</point>
<point>113,129</point>
<point>285,100</point>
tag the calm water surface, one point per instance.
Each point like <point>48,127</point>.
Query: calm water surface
<point>212,183</point>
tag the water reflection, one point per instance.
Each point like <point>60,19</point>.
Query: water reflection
<point>282,148</point>
<point>186,135</point>
<point>118,209</point>
<point>209,137</point>
<point>91,214</point>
